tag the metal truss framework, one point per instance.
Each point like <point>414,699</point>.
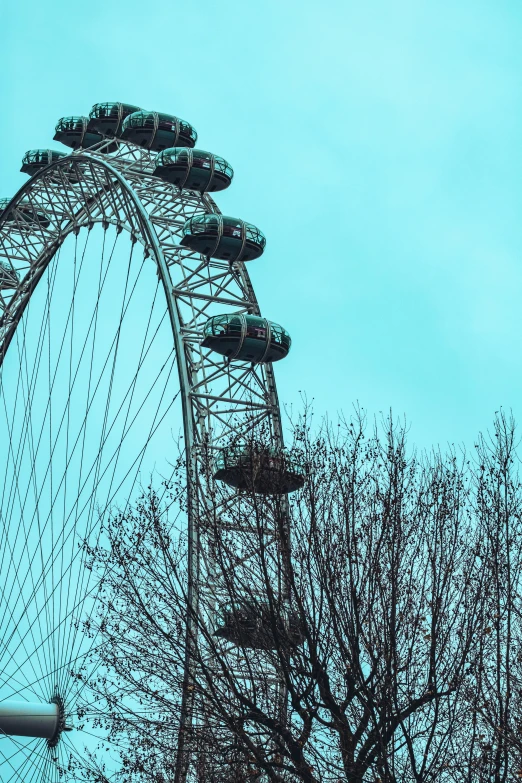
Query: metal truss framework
<point>222,402</point>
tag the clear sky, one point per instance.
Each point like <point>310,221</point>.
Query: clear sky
<point>376,143</point>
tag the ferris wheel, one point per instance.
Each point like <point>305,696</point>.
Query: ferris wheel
<point>123,291</point>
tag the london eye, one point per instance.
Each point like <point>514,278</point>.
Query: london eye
<point>124,296</point>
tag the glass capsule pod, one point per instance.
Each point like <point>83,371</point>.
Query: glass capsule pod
<point>107,118</point>
<point>158,131</point>
<point>35,160</point>
<point>23,216</point>
<point>259,469</point>
<point>193,169</point>
<point>250,624</point>
<point>74,133</point>
<point>248,338</point>
<point>226,238</point>
<point>8,276</point>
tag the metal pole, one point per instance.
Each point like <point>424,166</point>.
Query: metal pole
<point>29,719</point>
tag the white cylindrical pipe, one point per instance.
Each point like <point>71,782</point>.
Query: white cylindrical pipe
<point>29,719</point>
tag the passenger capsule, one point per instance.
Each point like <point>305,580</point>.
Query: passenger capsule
<point>223,237</point>
<point>35,160</point>
<point>158,131</point>
<point>250,624</point>
<point>248,338</point>
<point>8,276</point>
<point>73,132</point>
<point>261,470</point>
<point>23,216</point>
<point>193,169</point>
<point>107,118</point>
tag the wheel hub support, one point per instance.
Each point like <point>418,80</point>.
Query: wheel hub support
<point>31,719</point>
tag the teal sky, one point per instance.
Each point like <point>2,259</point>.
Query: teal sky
<point>378,146</point>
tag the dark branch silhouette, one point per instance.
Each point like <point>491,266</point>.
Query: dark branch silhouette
<point>383,599</point>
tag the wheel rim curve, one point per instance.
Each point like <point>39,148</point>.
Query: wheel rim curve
<point>142,229</point>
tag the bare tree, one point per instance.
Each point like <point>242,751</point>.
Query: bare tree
<point>494,694</point>
<point>377,634</point>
